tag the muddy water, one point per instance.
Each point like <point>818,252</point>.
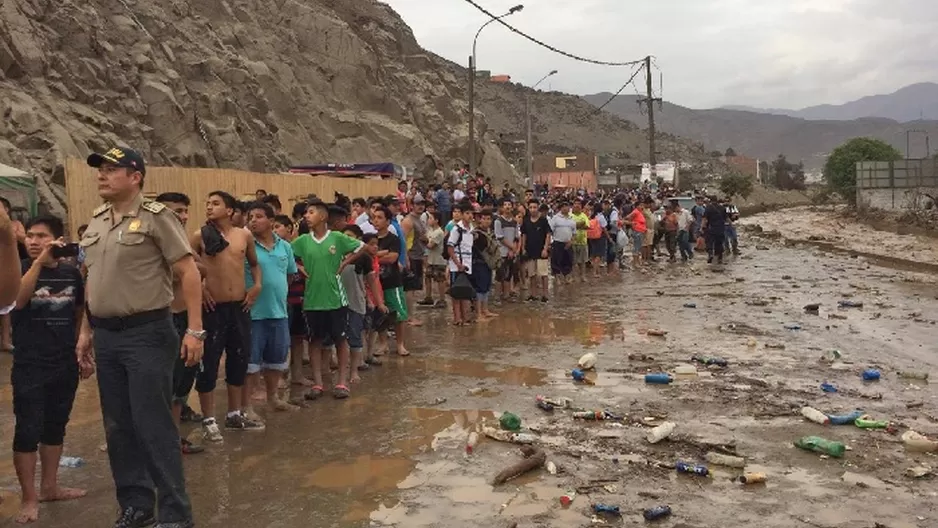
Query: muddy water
<point>389,457</point>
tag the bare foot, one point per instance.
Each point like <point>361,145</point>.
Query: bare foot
<point>29,512</point>
<point>259,396</point>
<point>280,405</point>
<point>415,322</point>
<point>61,494</point>
<point>490,315</point>
<point>401,351</point>
<point>282,384</point>
<point>355,378</point>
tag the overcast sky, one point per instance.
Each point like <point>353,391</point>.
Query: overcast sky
<point>769,53</point>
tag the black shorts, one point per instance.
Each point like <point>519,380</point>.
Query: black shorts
<point>183,376</point>
<point>229,333</point>
<point>413,278</point>
<point>297,321</point>
<point>327,324</point>
<point>42,402</point>
<point>508,270</point>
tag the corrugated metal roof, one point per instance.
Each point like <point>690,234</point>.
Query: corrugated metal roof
<point>7,171</point>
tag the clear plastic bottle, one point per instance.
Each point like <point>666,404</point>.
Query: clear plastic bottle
<point>661,432</point>
<point>918,443</point>
<point>71,462</point>
<point>471,442</point>
<point>720,459</point>
<point>815,415</point>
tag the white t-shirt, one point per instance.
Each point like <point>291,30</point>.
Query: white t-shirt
<point>458,195</point>
<point>462,248</point>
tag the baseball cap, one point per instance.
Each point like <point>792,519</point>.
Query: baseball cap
<point>121,157</point>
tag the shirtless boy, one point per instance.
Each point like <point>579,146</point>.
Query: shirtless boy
<point>227,303</point>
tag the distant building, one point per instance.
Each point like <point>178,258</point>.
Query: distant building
<point>566,170</point>
<point>665,170</point>
<point>744,164</point>
<point>500,78</point>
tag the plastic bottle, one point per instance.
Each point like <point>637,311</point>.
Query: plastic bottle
<point>706,360</point>
<point>658,512</point>
<point>685,370</point>
<point>844,419</point>
<point>690,305</point>
<point>587,361</point>
<point>720,459</point>
<point>821,445</point>
<point>865,423</point>
<point>850,304</point>
<point>918,443</point>
<point>607,509</point>
<point>71,462</point>
<point>815,415</point>
<point>908,374</point>
<point>792,326</point>
<point>659,378</point>
<point>557,403</point>
<point>831,356</point>
<point>510,421</point>
<point>472,442</point>
<point>828,387</point>
<point>752,478</point>
<point>476,391</point>
<point>522,438</point>
<point>693,469</point>
<point>813,307</point>
<point>871,375</point>
<point>577,375</point>
<point>661,432</point>
<point>567,498</point>
<point>588,415</point>
<point>551,467</point>
<point>544,405</point>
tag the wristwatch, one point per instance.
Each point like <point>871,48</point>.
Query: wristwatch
<point>198,334</point>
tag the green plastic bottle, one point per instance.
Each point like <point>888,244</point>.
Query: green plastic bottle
<point>510,421</point>
<point>821,445</point>
<point>864,423</point>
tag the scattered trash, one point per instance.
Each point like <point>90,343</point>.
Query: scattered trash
<point>909,374</point>
<point>720,459</point>
<point>551,467</point>
<point>659,378</point>
<point>752,478</point>
<point>567,498</point>
<point>595,415</point>
<point>71,462</point>
<point>577,375</point>
<point>685,370</point>
<point>827,387</point>
<point>690,305</point>
<point>476,391</point>
<point>821,445</point>
<point>914,405</point>
<point>844,419</point>
<point>533,458</point>
<point>661,432</point>
<point>871,375</point>
<point>751,342</point>
<point>506,436</point>
<point>775,346</point>
<point>606,509</point>
<point>815,415</point>
<point>472,442</point>
<point>918,472</point>
<point>559,403</point>
<point>757,302</point>
<point>510,421</point>
<point>641,357</point>
<point>691,469</point>
<point>850,304</point>
<point>587,361</point>
<point>831,356</point>
<point>792,326</point>
<point>657,333</point>
<point>656,513</point>
<point>438,401</point>
<point>837,316</point>
<point>813,307</point>
<point>710,361</point>
<point>786,277</point>
<point>864,422</point>
<point>543,405</point>
<point>918,443</point>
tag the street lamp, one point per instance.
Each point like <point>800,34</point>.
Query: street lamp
<point>472,82</point>
<point>529,141</point>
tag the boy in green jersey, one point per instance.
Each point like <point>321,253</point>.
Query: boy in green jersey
<point>324,254</point>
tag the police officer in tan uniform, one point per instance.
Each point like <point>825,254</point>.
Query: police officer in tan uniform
<point>133,248</point>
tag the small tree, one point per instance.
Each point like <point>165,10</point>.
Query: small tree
<point>840,170</point>
<point>730,152</point>
<point>736,184</point>
<point>715,153</point>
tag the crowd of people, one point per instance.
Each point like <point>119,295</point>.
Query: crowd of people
<point>286,296</point>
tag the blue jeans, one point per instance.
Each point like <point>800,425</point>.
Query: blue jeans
<point>354,330</point>
<point>732,242</point>
<point>270,345</point>
<point>683,242</point>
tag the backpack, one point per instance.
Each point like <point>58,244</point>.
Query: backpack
<point>595,230</point>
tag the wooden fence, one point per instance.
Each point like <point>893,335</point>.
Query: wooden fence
<point>82,187</point>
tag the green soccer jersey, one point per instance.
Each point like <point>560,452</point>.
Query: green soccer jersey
<point>321,259</point>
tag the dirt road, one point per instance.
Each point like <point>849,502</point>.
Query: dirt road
<point>389,457</point>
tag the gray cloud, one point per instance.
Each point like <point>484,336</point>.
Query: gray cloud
<point>771,53</point>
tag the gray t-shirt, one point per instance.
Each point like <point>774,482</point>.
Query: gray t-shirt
<point>353,280</point>
<point>563,228</point>
<point>419,249</point>
<point>506,229</point>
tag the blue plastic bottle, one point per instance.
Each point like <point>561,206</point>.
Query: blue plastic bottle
<point>577,375</point>
<point>871,375</point>
<point>696,469</point>
<point>605,508</point>
<point>844,419</point>
<point>827,387</point>
<point>658,512</point>
<point>660,378</point>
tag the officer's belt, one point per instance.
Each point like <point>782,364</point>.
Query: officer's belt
<point>127,322</point>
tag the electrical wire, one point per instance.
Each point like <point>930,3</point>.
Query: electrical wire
<point>548,46</point>
<point>628,82</point>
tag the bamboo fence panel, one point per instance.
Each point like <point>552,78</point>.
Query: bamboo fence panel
<point>82,189</point>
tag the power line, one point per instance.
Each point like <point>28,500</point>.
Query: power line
<point>628,82</point>
<point>548,46</point>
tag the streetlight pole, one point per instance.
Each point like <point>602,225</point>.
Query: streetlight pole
<point>472,82</point>
<point>529,141</point>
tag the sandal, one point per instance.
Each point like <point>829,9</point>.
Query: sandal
<point>340,392</point>
<point>314,393</point>
<point>374,361</point>
<point>364,366</point>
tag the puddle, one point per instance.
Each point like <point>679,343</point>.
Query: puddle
<point>505,374</point>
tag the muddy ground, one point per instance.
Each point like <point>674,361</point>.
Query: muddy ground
<point>389,457</point>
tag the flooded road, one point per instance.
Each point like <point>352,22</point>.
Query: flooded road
<point>390,457</point>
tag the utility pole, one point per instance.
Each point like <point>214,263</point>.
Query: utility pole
<point>472,117</point>
<point>528,146</point>
<point>650,100</point>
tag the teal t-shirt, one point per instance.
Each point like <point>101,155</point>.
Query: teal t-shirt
<point>321,259</point>
<point>275,263</point>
